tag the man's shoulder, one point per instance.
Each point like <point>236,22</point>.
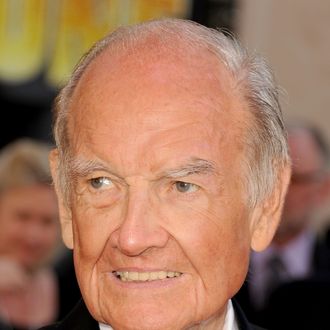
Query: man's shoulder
<point>255,327</point>
<point>78,319</point>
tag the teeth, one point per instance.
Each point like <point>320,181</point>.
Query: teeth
<point>145,276</point>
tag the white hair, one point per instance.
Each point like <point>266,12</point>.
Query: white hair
<point>266,143</point>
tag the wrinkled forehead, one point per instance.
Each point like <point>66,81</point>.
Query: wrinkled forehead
<point>151,80</point>
<point>153,63</point>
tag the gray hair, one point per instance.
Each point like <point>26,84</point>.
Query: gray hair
<point>24,162</point>
<point>267,150</point>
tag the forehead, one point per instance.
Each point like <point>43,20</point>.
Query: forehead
<point>129,96</point>
<point>150,71</point>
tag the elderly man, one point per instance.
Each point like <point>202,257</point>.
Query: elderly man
<point>171,162</point>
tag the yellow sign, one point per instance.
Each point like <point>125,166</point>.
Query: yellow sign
<point>21,38</point>
<point>51,35</point>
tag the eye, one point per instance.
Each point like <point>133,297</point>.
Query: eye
<point>186,187</point>
<point>101,182</point>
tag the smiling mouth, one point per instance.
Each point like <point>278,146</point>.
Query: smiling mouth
<point>145,276</point>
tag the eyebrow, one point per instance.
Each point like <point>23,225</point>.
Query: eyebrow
<point>195,166</point>
<point>82,167</point>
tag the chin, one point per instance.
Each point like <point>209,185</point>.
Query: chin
<point>147,321</point>
<point>150,316</point>
<point>163,305</point>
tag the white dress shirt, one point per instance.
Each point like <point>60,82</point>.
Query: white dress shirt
<point>230,321</point>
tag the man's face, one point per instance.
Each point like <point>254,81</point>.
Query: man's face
<point>29,224</point>
<point>161,229</point>
<point>306,183</point>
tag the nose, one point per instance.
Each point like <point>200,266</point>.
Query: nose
<point>140,229</point>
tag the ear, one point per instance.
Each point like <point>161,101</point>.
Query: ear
<point>266,216</point>
<point>64,211</point>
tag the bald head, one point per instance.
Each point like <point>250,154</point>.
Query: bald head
<point>174,41</point>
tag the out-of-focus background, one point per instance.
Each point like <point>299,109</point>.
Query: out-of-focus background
<point>294,36</point>
<point>41,40</point>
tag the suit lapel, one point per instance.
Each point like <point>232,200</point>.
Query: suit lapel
<point>243,323</point>
<point>79,319</point>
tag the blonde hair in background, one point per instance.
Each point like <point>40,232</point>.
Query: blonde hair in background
<point>24,162</point>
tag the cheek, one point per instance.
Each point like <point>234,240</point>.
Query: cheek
<point>15,232</point>
<point>216,240</point>
<point>8,239</point>
<point>91,231</point>
<point>50,237</point>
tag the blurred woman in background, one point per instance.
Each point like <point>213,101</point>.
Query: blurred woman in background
<point>29,234</point>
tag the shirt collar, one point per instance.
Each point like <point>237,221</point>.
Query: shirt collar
<point>104,326</point>
<point>230,321</point>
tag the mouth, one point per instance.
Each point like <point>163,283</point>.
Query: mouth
<point>145,276</point>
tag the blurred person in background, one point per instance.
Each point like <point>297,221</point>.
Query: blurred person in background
<point>29,233</point>
<point>297,263</point>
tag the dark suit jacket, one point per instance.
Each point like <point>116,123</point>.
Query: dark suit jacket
<point>68,289</point>
<point>299,304</point>
<point>80,319</point>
